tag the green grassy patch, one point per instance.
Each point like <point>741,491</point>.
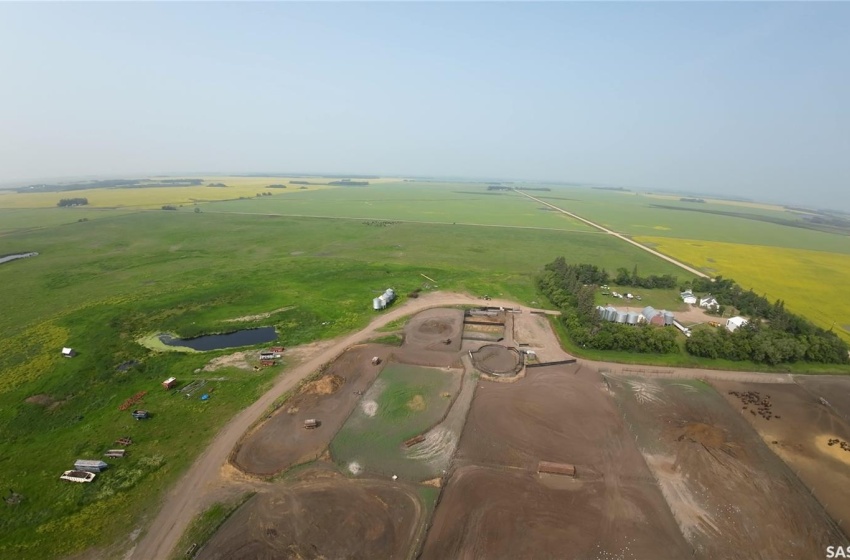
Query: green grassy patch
<point>406,401</point>
<point>204,526</point>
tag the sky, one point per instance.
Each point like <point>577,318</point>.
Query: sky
<point>738,99</point>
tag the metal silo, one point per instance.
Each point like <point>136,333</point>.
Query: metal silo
<point>668,318</point>
<point>621,316</point>
<point>377,304</point>
<point>632,318</point>
<point>610,313</point>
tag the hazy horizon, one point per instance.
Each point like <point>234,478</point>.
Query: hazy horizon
<point>737,100</point>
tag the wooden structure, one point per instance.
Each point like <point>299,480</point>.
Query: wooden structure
<point>311,424</point>
<point>170,383</point>
<point>564,469</point>
<point>414,440</point>
<point>78,476</point>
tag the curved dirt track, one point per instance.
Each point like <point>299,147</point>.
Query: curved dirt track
<point>185,500</point>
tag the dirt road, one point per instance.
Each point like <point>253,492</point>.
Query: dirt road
<point>618,235</point>
<point>184,501</point>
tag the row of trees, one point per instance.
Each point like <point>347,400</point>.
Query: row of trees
<point>72,202</point>
<point>572,287</point>
<point>625,278</point>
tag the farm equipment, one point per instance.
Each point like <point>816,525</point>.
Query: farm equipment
<point>311,424</point>
<point>141,414</point>
<point>125,441</point>
<point>115,453</point>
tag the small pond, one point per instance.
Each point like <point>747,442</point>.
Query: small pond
<point>7,258</point>
<point>246,337</point>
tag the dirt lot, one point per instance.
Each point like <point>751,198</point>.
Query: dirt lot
<point>835,389</point>
<point>496,505</point>
<point>532,331</point>
<point>731,496</point>
<point>369,519</point>
<point>282,441</point>
<point>799,431</point>
<point>430,329</point>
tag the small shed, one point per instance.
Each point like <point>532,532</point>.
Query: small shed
<point>170,383</point>
<point>734,323</point>
<point>68,352</point>
<point>564,469</point>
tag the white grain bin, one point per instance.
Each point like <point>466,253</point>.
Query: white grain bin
<point>632,317</point>
<point>610,313</point>
<point>378,304</point>
<point>621,316</point>
<point>668,318</point>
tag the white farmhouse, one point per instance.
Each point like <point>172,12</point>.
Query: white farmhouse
<point>734,323</point>
<point>708,302</point>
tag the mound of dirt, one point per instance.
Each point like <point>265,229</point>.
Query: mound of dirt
<point>416,404</point>
<point>237,360</point>
<point>327,385</point>
<point>697,432</point>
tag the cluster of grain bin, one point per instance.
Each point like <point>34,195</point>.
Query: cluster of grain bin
<point>611,313</point>
<point>383,300</point>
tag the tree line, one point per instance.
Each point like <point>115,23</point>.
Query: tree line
<point>572,288</point>
<point>72,202</point>
<point>774,335</point>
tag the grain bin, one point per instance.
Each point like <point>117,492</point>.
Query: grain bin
<point>668,318</point>
<point>621,316</point>
<point>632,317</point>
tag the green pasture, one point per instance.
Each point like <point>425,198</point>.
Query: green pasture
<point>18,219</point>
<point>409,402</point>
<point>657,298</point>
<point>459,203</point>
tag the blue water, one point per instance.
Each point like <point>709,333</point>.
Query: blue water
<point>247,337</point>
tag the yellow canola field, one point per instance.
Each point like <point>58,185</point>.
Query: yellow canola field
<point>156,197</point>
<point>812,283</point>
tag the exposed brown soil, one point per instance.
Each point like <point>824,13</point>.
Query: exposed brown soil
<point>495,505</point>
<point>237,360</point>
<point>731,496</point>
<point>496,359</point>
<point>258,316</point>
<point>41,400</point>
<point>432,328</point>
<point>282,441</point>
<point>835,389</point>
<point>329,517</point>
<point>798,432</point>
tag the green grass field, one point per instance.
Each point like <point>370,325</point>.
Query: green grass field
<point>409,402</point>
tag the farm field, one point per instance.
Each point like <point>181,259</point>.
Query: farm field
<point>636,214</point>
<point>155,197</point>
<point>798,428</point>
<point>405,401</point>
<point>810,282</point>
<point>718,476</point>
<point>447,203</point>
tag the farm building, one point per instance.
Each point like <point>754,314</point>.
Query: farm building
<point>68,352</point>
<point>556,468</point>
<point>708,302</point>
<point>382,301</point>
<point>655,317</point>
<point>688,297</point>
<point>734,323</point>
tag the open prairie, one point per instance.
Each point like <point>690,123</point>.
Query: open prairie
<point>810,282</point>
